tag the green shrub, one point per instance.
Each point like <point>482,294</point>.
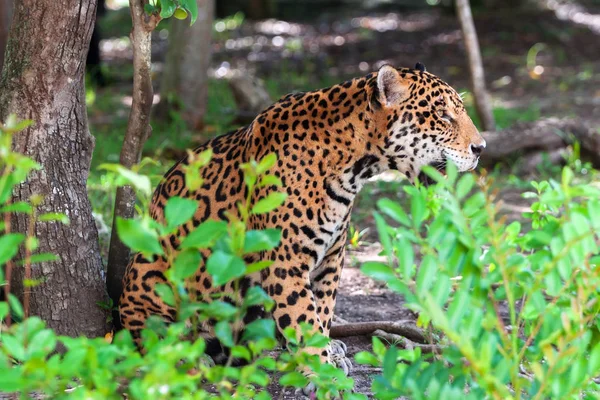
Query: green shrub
<point>171,368</point>
<point>515,313</point>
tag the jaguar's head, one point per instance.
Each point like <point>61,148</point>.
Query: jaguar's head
<point>424,121</point>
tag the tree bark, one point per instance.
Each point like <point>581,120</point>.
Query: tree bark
<point>480,94</point>
<point>6,8</point>
<point>43,81</point>
<point>184,83</point>
<point>138,130</point>
<point>544,135</point>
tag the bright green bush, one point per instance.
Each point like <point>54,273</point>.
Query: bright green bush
<point>516,313</point>
<point>171,368</point>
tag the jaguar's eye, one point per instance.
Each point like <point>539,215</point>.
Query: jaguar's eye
<point>443,114</point>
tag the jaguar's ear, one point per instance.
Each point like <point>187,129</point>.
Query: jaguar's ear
<point>391,86</point>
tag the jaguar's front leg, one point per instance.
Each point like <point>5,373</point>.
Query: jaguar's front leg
<point>324,282</point>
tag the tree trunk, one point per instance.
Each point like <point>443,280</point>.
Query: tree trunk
<point>184,84</point>
<point>6,7</point>
<point>138,130</point>
<point>43,81</point>
<point>480,94</point>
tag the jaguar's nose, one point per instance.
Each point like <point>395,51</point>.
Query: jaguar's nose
<point>477,149</point>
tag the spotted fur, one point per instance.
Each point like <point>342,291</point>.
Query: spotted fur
<point>329,142</point>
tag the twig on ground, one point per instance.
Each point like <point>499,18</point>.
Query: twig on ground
<point>404,328</point>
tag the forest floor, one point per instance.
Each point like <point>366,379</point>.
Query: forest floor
<point>547,64</point>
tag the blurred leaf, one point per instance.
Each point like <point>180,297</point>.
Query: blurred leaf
<point>294,379</point>
<point>393,210</point>
<point>191,7</point>
<point>224,333</point>
<point>378,271</point>
<point>205,234</point>
<point>15,306</point>
<point>270,180</point>
<point>261,240</point>
<point>186,264</point>
<point>166,293</point>
<point>59,217</point>
<point>269,203</point>
<point>224,267</point>
<point>261,328</point>
<point>17,207</point>
<point>13,346</point>
<point>179,210</point>
<point>138,236</point>
<point>9,246</point>
<point>167,8</point>
<point>266,163</point>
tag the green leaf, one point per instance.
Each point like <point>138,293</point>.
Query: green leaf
<point>40,258</point>
<point>394,210</point>
<point>417,208</point>
<point>13,346</point>
<point>224,267</point>
<point>269,203</point>
<point>42,343</point>
<point>179,210</point>
<point>259,329</point>
<point>18,207</point>
<point>266,163</point>
<point>149,8</point>
<point>464,185</point>
<point>256,296</point>
<point>317,340</point>
<point>224,333</point>
<point>378,271</point>
<point>9,246</point>
<point>426,274</point>
<point>294,379</point>
<point>241,352</point>
<point>205,234</point>
<point>3,310</point>
<point>191,7</point>
<point>262,240</point>
<point>270,180</point>
<point>59,217</point>
<point>167,8</point>
<point>258,266</point>
<point>186,263</point>
<point>364,357</point>
<point>128,177</point>
<point>138,236</point>
<point>389,363</point>
<point>11,380</point>
<point>15,306</point>
<point>166,293</point>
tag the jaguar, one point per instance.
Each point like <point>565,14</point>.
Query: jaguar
<point>328,143</point>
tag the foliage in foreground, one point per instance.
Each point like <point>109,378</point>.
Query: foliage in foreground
<point>516,313</point>
<point>170,367</point>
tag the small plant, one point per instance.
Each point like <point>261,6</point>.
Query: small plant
<point>516,313</point>
<point>173,364</point>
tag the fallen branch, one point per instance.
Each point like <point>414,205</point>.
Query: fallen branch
<point>542,135</point>
<point>405,343</point>
<point>405,328</point>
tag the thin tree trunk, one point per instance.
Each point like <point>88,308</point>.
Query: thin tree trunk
<point>480,94</point>
<point>138,130</point>
<point>43,81</point>
<point>184,83</point>
<point>6,7</point>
